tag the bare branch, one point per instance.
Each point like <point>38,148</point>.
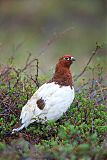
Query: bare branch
<point>53,39</point>
<point>93,54</point>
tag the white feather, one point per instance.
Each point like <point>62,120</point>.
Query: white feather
<point>57,100</point>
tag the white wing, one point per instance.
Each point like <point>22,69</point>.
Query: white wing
<point>57,101</point>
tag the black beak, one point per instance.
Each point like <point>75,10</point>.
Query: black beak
<point>73,59</point>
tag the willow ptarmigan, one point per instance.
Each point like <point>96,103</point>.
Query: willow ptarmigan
<point>53,98</point>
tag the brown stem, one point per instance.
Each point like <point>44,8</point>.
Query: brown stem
<point>93,54</point>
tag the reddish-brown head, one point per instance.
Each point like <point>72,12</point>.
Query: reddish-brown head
<point>62,75</point>
<point>66,60</point>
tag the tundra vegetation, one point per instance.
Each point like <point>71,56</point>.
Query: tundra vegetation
<point>80,134</point>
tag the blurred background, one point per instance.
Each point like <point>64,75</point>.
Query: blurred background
<point>51,28</point>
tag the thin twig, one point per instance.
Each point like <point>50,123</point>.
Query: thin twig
<point>28,58</point>
<point>28,64</point>
<point>93,54</point>
<point>53,39</point>
<point>18,46</point>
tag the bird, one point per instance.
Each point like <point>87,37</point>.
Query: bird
<point>52,99</point>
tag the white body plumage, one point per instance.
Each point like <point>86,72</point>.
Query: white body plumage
<point>52,99</point>
<point>57,100</point>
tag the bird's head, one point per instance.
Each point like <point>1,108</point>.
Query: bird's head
<point>66,60</point>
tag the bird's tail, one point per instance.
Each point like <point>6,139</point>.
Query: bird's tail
<point>28,114</point>
<point>25,117</point>
<point>18,129</point>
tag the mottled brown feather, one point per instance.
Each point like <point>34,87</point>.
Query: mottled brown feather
<point>40,103</point>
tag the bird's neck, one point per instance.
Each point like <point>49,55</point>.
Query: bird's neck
<point>62,76</point>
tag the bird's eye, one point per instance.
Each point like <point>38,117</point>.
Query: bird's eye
<point>67,59</point>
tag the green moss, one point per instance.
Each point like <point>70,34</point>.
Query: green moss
<point>2,146</point>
